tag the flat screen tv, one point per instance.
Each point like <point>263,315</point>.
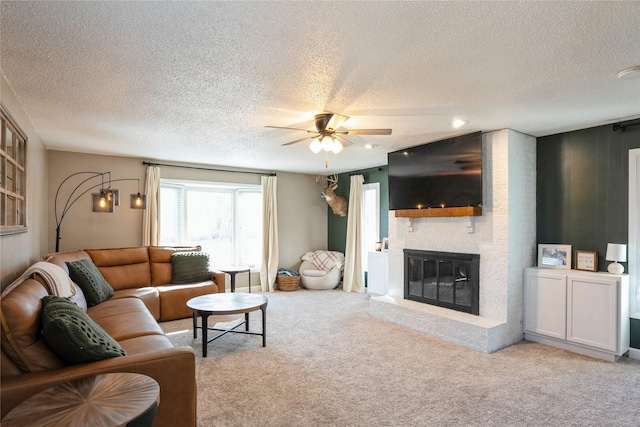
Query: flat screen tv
<point>440,174</point>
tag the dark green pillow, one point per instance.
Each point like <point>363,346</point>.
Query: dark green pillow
<point>86,275</point>
<point>189,267</point>
<point>72,335</point>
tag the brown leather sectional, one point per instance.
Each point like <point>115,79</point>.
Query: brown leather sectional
<point>141,279</point>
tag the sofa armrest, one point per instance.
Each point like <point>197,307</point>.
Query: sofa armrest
<point>221,280</point>
<point>172,368</point>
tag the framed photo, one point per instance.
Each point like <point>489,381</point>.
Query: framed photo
<point>385,244</point>
<point>586,260</point>
<point>554,256</point>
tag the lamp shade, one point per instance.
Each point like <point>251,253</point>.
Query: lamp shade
<point>101,203</point>
<point>616,252</point>
<point>315,146</point>
<point>138,201</point>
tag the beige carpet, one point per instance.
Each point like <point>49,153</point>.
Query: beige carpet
<point>327,363</point>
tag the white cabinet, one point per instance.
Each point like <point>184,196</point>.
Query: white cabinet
<point>378,274</point>
<point>579,311</point>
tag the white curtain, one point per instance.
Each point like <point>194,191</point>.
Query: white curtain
<point>353,280</point>
<point>151,217</point>
<point>270,259</point>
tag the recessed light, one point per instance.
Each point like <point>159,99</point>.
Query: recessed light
<point>458,123</point>
<point>369,146</point>
<point>629,73</point>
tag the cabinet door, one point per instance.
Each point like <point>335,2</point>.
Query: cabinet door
<point>378,273</point>
<point>546,304</point>
<point>592,312</point>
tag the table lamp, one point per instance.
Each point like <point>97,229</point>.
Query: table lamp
<point>616,252</point>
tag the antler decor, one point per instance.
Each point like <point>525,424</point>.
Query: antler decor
<point>338,204</point>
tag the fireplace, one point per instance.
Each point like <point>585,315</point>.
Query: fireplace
<point>445,279</point>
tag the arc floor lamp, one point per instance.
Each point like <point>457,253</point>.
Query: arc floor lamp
<point>104,201</point>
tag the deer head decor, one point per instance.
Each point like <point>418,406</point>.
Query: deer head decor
<point>329,184</point>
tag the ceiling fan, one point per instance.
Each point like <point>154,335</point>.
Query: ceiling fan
<point>328,135</point>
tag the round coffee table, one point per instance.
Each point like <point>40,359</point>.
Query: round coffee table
<point>223,304</point>
<point>113,399</point>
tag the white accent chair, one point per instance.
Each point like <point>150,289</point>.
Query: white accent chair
<point>312,278</point>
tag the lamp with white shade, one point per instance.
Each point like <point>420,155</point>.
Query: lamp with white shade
<point>616,252</point>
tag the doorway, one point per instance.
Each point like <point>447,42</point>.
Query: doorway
<point>370,220</point>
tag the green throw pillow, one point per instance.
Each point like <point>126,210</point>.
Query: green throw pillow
<point>72,335</point>
<point>189,267</point>
<point>86,275</point>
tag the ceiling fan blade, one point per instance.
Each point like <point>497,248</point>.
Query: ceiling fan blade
<point>299,140</point>
<point>284,127</point>
<point>336,121</point>
<point>348,143</point>
<point>364,132</point>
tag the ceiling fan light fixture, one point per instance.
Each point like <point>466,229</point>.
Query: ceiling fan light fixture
<point>327,143</point>
<point>315,146</point>
<point>337,147</point>
<point>458,123</point>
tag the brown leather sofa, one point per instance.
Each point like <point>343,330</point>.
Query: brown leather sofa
<point>143,296</point>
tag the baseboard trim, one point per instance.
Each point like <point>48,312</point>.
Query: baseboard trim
<point>634,353</point>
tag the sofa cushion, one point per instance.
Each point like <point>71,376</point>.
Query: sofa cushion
<point>86,275</point>
<point>173,298</point>
<point>189,267</point>
<point>148,295</point>
<point>123,268</point>
<point>22,340</point>
<point>72,335</point>
<point>125,318</point>
<point>160,259</point>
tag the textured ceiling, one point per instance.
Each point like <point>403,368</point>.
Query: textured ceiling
<point>198,81</point>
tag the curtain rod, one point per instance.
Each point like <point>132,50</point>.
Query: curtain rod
<point>206,169</point>
<point>622,126</point>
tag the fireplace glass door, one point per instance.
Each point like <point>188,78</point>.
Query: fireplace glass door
<point>447,281</point>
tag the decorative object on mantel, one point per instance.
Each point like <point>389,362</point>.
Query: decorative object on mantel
<point>616,252</point>
<point>586,260</point>
<point>385,244</point>
<point>554,256</point>
<point>378,246</point>
<point>329,184</point>
<point>105,200</point>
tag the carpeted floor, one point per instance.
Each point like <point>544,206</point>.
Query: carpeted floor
<point>327,363</point>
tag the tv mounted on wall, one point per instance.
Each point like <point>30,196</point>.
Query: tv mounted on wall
<point>440,174</point>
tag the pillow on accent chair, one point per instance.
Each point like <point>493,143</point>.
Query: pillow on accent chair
<point>189,267</point>
<point>72,335</point>
<point>94,286</point>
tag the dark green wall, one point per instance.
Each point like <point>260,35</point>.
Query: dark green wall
<point>582,191</point>
<point>337,238</point>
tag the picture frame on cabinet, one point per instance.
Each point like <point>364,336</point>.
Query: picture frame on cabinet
<point>586,260</point>
<point>554,256</point>
<point>385,244</point>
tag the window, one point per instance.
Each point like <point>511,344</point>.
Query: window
<point>226,220</point>
<point>13,176</point>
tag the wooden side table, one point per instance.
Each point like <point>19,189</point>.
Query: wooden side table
<point>116,399</point>
<point>232,272</point>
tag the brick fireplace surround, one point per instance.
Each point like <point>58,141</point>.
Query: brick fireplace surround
<point>504,236</point>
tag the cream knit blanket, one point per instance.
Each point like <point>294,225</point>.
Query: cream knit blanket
<point>56,279</point>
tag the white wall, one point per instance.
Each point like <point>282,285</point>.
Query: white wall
<point>18,251</point>
<point>302,216</point>
<point>504,235</point>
